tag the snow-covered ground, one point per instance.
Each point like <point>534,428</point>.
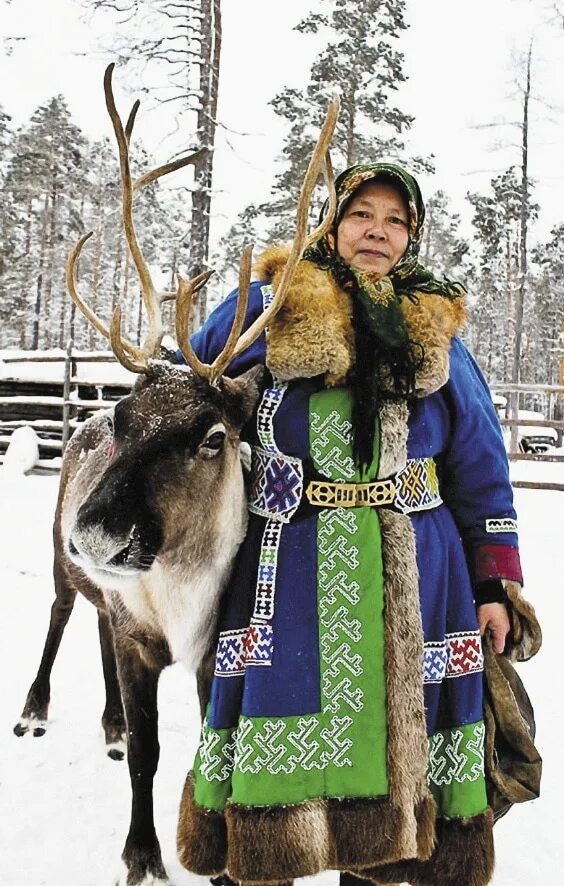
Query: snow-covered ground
<point>64,805</point>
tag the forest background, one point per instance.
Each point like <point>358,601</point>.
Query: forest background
<point>467,97</point>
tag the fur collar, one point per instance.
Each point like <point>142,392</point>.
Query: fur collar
<point>312,333</point>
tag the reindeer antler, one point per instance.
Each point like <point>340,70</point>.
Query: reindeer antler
<point>237,343</point>
<point>133,358</point>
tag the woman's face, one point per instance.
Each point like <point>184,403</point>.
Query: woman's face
<point>374,231</point>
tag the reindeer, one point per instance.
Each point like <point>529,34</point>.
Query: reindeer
<point>152,504</point>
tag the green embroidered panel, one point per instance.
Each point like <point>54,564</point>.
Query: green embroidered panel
<point>350,609</point>
<point>456,770</point>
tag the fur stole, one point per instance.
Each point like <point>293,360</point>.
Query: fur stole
<point>312,333</point>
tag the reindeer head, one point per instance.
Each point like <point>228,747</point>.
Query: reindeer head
<point>158,479</point>
<point>172,462</point>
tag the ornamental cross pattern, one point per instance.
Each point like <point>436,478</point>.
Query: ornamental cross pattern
<point>455,756</point>
<point>216,754</point>
<point>276,485</point>
<point>266,579</point>
<point>331,438</point>
<point>243,648</point>
<point>460,653</point>
<point>417,486</point>
<point>340,630</point>
<point>276,747</point>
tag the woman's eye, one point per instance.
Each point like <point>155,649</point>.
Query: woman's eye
<point>396,220</point>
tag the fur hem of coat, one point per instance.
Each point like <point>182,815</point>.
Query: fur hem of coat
<point>312,333</point>
<point>298,840</point>
<point>464,856</point>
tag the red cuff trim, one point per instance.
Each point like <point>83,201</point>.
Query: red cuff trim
<point>497,561</point>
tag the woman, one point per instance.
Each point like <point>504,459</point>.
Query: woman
<point>381,535</point>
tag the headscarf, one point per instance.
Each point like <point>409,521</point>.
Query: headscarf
<point>386,359</point>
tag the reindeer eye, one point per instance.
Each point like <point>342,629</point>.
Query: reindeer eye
<point>214,441</point>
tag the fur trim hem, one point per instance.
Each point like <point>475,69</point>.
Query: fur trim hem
<point>280,843</point>
<point>201,836</point>
<point>464,856</point>
<point>312,333</point>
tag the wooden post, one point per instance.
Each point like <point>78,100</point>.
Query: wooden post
<point>66,394</point>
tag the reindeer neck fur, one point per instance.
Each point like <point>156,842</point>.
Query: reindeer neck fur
<point>169,609</point>
<point>177,600</point>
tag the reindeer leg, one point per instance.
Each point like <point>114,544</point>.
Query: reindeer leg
<point>113,718</point>
<point>142,853</point>
<point>34,714</point>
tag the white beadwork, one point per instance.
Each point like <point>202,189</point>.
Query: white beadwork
<point>448,761</point>
<point>215,766</point>
<point>329,458</point>
<point>501,524</point>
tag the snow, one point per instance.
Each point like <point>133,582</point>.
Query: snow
<point>64,805</point>
<point>22,453</point>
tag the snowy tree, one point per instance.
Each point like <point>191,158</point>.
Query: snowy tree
<point>184,37</point>
<point>361,61</point>
<point>243,231</point>
<point>443,248</point>
<point>497,220</point>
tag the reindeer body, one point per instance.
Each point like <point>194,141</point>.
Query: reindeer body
<point>152,504</point>
<point>151,511</point>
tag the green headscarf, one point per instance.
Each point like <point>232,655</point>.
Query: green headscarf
<point>386,359</point>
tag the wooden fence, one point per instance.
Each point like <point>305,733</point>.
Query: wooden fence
<point>554,392</point>
<point>53,393</point>
<point>55,403</point>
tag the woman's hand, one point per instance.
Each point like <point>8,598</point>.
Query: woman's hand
<point>494,618</point>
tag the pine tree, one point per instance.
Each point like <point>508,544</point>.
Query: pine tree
<point>362,63</point>
<point>443,248</point>
<point>497,220</point>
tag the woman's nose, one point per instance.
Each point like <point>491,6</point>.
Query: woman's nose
<point>375,231</point>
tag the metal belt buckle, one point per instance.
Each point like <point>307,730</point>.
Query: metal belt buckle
<point>326,494</point>
<point>381,492</point>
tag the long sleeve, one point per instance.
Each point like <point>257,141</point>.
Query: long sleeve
<point>209,341</point>
<point>475,474</point>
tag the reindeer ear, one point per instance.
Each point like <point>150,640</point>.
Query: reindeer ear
<point>246,389</point>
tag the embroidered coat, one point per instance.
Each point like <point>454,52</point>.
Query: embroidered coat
<point>345,727</point>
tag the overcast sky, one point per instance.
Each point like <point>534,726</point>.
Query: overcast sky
<point>461,59</point>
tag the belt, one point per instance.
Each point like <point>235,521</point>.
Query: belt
<point>325,494</point>
<point>284,487</point>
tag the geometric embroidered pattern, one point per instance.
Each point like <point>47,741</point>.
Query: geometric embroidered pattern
<point>276,485</point>
<point>327,453</point>
<point>417,486</point>
<point>271,398</point>
<point>276,747</point>
<point>458,654</point>
<point>242,648</point>
<point>340,631</point>
<point>266,578</point>
<point>456,755</point>
<point>502,524</point>
<point>216,754</point>
<point>269,404</point>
